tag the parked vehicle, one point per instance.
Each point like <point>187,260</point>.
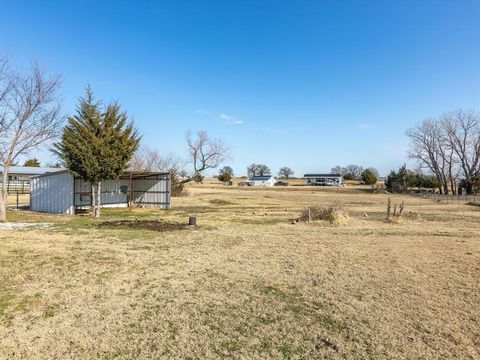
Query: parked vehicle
<point>281,183</point>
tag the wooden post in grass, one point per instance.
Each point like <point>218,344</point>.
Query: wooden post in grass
<point>309,215</point>
<point>130,193</point>
<point>192,221</point>
<point>17,198</point>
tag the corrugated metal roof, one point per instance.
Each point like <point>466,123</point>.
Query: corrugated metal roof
<point>321,175</point>
<point>124,175</point>
<point>27,170</point>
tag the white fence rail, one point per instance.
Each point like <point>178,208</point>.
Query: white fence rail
<point>18,186</point>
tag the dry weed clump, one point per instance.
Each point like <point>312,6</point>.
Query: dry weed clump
<point>334,214</point>
<point>394,216</point>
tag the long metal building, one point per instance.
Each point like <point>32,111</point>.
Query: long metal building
<point>62,193</point>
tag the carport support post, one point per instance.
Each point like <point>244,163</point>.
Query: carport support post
<point>130,185</point>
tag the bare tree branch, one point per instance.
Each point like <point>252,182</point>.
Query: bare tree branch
<point>204,153</point>
<point>30,115</point>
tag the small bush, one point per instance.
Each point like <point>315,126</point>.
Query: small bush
<point>333,214</point>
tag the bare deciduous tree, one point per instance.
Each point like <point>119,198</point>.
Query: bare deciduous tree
<point>205,153</point>
<point>462,130</point>
<point>428,147</point>
<point>258,170</point>
<point>338,170</point>
<point>352,172</point>
<point>29,116</point>
<point>449,148</point>
<point>285,172</point>
<point>148,159</point>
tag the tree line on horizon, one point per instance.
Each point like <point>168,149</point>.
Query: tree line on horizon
<point>100,141</point>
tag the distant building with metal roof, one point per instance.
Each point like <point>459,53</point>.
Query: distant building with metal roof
<point>324,179</point>
<point>26,172</point>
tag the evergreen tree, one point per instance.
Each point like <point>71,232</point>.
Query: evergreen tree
<point>369,177</point>
<point>225,174</point>
<point>97,143</point>
<point>32,163</point>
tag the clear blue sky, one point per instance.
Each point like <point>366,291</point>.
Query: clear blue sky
<point>305,84</point>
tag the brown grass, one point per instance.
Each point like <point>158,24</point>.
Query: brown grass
<point>334,214</point>
<point>246,283</point>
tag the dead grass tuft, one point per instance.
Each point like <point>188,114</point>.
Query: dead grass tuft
<point>334,214</point>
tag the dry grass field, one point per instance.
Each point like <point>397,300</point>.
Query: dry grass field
<point>248,282</point>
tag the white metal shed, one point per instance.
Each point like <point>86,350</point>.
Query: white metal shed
<point>62,193</point>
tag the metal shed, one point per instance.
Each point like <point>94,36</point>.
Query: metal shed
<point>63,193</point>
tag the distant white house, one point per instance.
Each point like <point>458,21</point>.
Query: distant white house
<point>323,179</point>
<point>267,180</point>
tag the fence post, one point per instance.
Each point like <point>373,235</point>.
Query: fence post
<point>17,198</point>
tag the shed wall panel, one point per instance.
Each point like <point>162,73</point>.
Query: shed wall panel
<point>53,193</point>
<point>151,193</point>
<point>111,193</point>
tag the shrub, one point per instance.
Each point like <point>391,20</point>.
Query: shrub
<point>225,175</point>
<point>369,177</point>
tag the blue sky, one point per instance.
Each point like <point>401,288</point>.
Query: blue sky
<point>305,84</point>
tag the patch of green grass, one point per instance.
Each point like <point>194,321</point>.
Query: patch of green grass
<point>330,323</point>
<point>288,351</point>
<point>228,346</point>
<point>18,252</point>
<point>6,300</point>
<point>113,214</point>
<point>50,311</point>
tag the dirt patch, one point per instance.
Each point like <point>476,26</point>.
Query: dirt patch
<point>144,224</point>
